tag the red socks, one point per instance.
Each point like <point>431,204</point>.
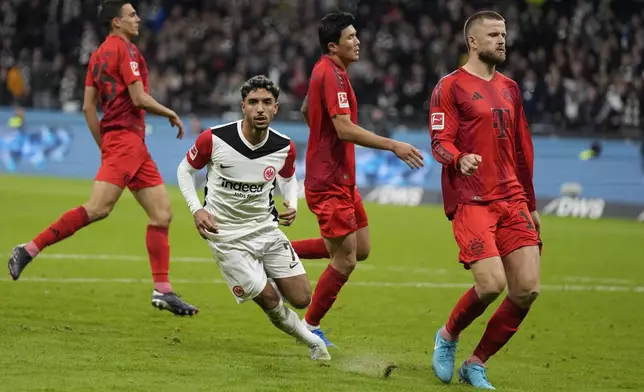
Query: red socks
<point>158,246</point>
<point>326,291</point>
<point>501,327</point>
<point>68,224</point>
<point>311,249</point>
<point>467,309</point>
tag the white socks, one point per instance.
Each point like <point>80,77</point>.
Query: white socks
<point>287,320</point>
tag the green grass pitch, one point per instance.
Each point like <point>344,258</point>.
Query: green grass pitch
<point>80,319</point>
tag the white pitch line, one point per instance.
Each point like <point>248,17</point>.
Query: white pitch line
<point>426,285</point>
<point>104,257</point>
<point>570,283</point>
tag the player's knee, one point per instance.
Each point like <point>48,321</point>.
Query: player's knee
<point>344,263</point>
<point>96,212</point>
<point>524,297</point>
<point>301,301</point>
<point>490,290</point>
<point>363,253</point>
<point>162,218</point>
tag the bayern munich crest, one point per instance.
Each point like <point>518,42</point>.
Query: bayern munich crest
<point>269,173</point>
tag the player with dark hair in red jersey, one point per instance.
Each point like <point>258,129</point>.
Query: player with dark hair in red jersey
<point>331,111</point>
<point>481,137</point>
<point>117,78</point>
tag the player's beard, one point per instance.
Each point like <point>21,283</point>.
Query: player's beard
<point>491,58</point>
<point>260,127</point>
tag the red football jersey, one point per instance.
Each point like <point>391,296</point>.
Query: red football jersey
<point>469,115</point>
<point>329,160</point>
<point>115,65</point>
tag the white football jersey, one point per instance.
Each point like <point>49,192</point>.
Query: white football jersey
<point>241,177</point>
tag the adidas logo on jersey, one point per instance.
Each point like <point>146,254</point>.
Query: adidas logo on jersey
<point>477,96</point>
<point>242,187</point>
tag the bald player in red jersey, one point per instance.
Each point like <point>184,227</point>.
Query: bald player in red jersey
<point>481,137</point>
<point>117,78</point>
<point>331,111</point>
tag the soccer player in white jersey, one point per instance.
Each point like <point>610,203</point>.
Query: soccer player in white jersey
<point>245,160</point>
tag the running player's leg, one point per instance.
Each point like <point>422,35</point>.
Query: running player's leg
<point>474,231</point>
<point>149,191</point>
<point>336,216</point>
<point>247,279</point>
<point>363,237</point>
<point>316,248</point>
<point>518,244</point>
<point>117,167</point>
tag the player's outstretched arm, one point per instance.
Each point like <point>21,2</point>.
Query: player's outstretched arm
<point>350,132</point>
<point>90,103</point>
<point>145,101</point>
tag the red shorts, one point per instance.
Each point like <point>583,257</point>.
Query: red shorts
<point>339,210</point>
<point>125,161</point>
<point>496,229</point>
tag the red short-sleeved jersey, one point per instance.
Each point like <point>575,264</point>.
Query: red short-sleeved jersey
<point>115,65</point>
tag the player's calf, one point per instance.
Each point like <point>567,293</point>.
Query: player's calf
<point>287,321</point>
<point>296,290</point>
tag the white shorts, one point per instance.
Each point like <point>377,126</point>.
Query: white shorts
<point>248,262</point>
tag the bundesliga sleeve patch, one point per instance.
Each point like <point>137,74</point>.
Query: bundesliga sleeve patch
<point>343,100</point>
<point>194,152</point>
<point>438,121</point>
<point>135,68</point>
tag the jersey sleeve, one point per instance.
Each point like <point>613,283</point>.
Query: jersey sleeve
<point>89,78</point>
<point>201,152</point>
<point>524,153</point>
<point>336,96</point>
<point>129,65</point>
<point>443,124</point>
<point>289,166</point>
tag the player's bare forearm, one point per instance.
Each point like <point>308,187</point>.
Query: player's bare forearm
<point>150,105</point>
<point>350,132</point>
<point>94,125</point>
<point>90,102</point>
<point>145,101</point>
<point>305,110</point>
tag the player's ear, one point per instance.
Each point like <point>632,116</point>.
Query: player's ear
<point>243,107</point>
<point>332,47</point>
<point>276,107</point>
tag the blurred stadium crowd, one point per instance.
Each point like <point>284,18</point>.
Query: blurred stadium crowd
<point>578,62</point>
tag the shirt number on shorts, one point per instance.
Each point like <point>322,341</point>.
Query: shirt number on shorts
<point>289,247</point>
<point>527,218</point>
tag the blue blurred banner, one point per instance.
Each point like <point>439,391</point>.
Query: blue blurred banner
<point>59,144</point>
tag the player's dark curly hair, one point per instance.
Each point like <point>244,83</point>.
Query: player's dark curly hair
<point>331,27</point>
<point>259,82</point>
<point>109,10</point>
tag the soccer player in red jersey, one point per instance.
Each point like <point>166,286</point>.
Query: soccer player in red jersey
<point>331,111</point>
<point>117,78</point>
<point>481,137</point>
